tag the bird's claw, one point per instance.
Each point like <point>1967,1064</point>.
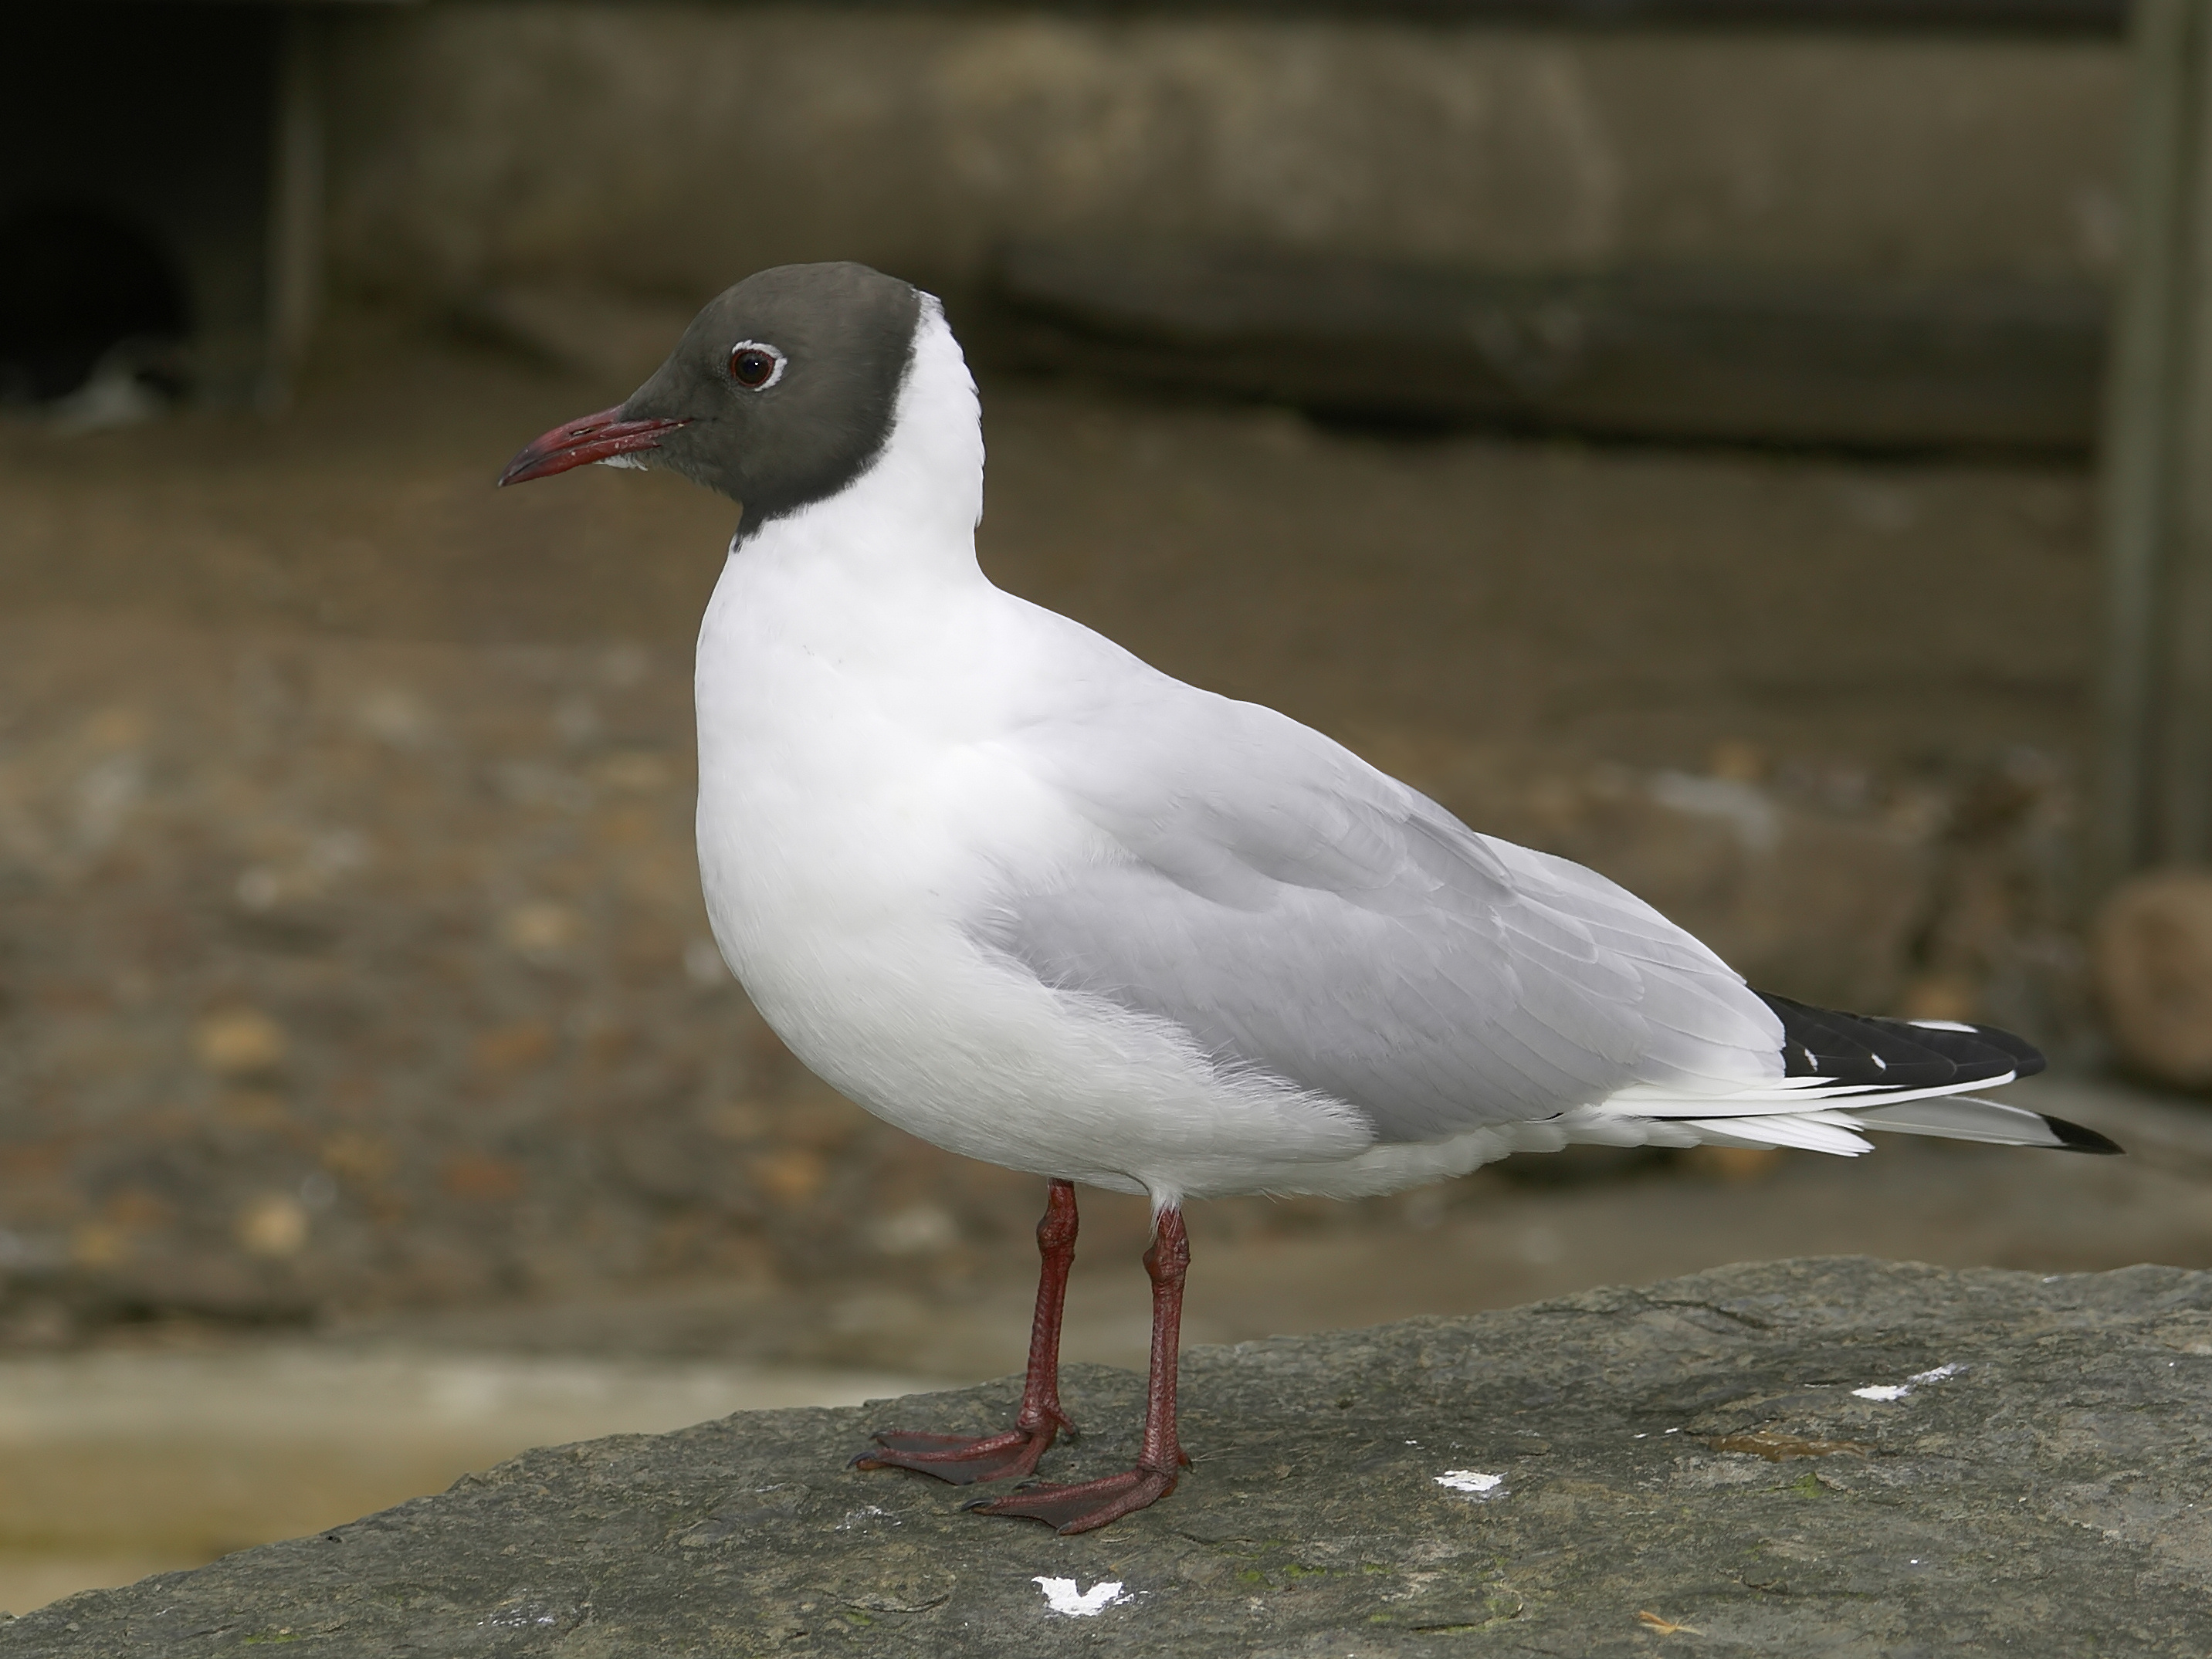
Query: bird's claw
<point>963,1462</point>
<point>1081,1507</point>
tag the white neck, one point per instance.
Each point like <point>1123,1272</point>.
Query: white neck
<point>910,518</point>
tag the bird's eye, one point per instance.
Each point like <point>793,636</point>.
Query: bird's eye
<point>756,366</point>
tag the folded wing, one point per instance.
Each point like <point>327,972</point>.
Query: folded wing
<point>1298,912</point>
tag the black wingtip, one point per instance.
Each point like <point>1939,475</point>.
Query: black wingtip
<point>1891,1056</point>
<point>2073,1137</point>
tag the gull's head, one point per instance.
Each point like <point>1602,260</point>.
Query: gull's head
<point>780,392</point>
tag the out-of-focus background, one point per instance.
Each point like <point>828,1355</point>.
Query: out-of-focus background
<point>1666,432</point>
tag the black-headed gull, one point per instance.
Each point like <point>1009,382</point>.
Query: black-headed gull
<point>1024,896</point>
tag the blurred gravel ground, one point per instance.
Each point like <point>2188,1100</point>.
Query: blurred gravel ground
<point>365,972</point>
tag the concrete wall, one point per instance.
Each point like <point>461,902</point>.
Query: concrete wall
<point>671,146</point>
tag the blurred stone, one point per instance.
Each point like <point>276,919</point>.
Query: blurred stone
<point>675,1164</point>
<point>1425,1207</point>
<point>790,1176</point>
<point>108,729</point>
<point>703,963</point>
<point>639,771</point>
<point>918,1230</point>
<point>203,1283</point>
<point>98,1244</point>
<point>274,1224</point>
<point>254,1109</point>
<point>238,1042</point>
<point>2152,948</point>
<point>513,1049</point>
<point>540,928</point>
<point>360,1157</point>
<point>259,888</point>
<point>490,1179</point>
<point>40,1323</point>
<point>138,1210</point>
<point>1732,1163</point>
<point>738,1121</point>
<point>396,716</point>
<point>1739,762</point>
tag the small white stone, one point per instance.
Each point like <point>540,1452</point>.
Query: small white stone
<point>1890,1391</point>
<point>1061,1597</point>
<point>1474,1482</point>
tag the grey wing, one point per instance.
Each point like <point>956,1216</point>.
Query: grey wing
<point>1298,912</point>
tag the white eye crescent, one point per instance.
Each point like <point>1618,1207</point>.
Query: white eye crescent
<point>756,365</point>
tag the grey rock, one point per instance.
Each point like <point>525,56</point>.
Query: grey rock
<point>1818,1457</point>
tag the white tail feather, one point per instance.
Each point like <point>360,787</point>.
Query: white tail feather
<point>1809,1132</point>
<point>1793,1094</point>
<point>1962,1117</point>
<point>1836,1128</point>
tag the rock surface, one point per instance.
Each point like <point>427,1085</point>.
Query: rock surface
<point>1822,1457</point>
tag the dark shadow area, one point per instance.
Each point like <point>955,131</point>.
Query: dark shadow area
<point>76,284</point>
<point>134,196</point>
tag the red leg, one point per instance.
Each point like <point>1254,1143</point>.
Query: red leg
<point>1001,1456</point>
<point>1161,1460</point>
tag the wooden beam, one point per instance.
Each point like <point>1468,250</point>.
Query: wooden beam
<point>2074,17</point>
<point>1702,356</point>
<point>2154,799</point>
